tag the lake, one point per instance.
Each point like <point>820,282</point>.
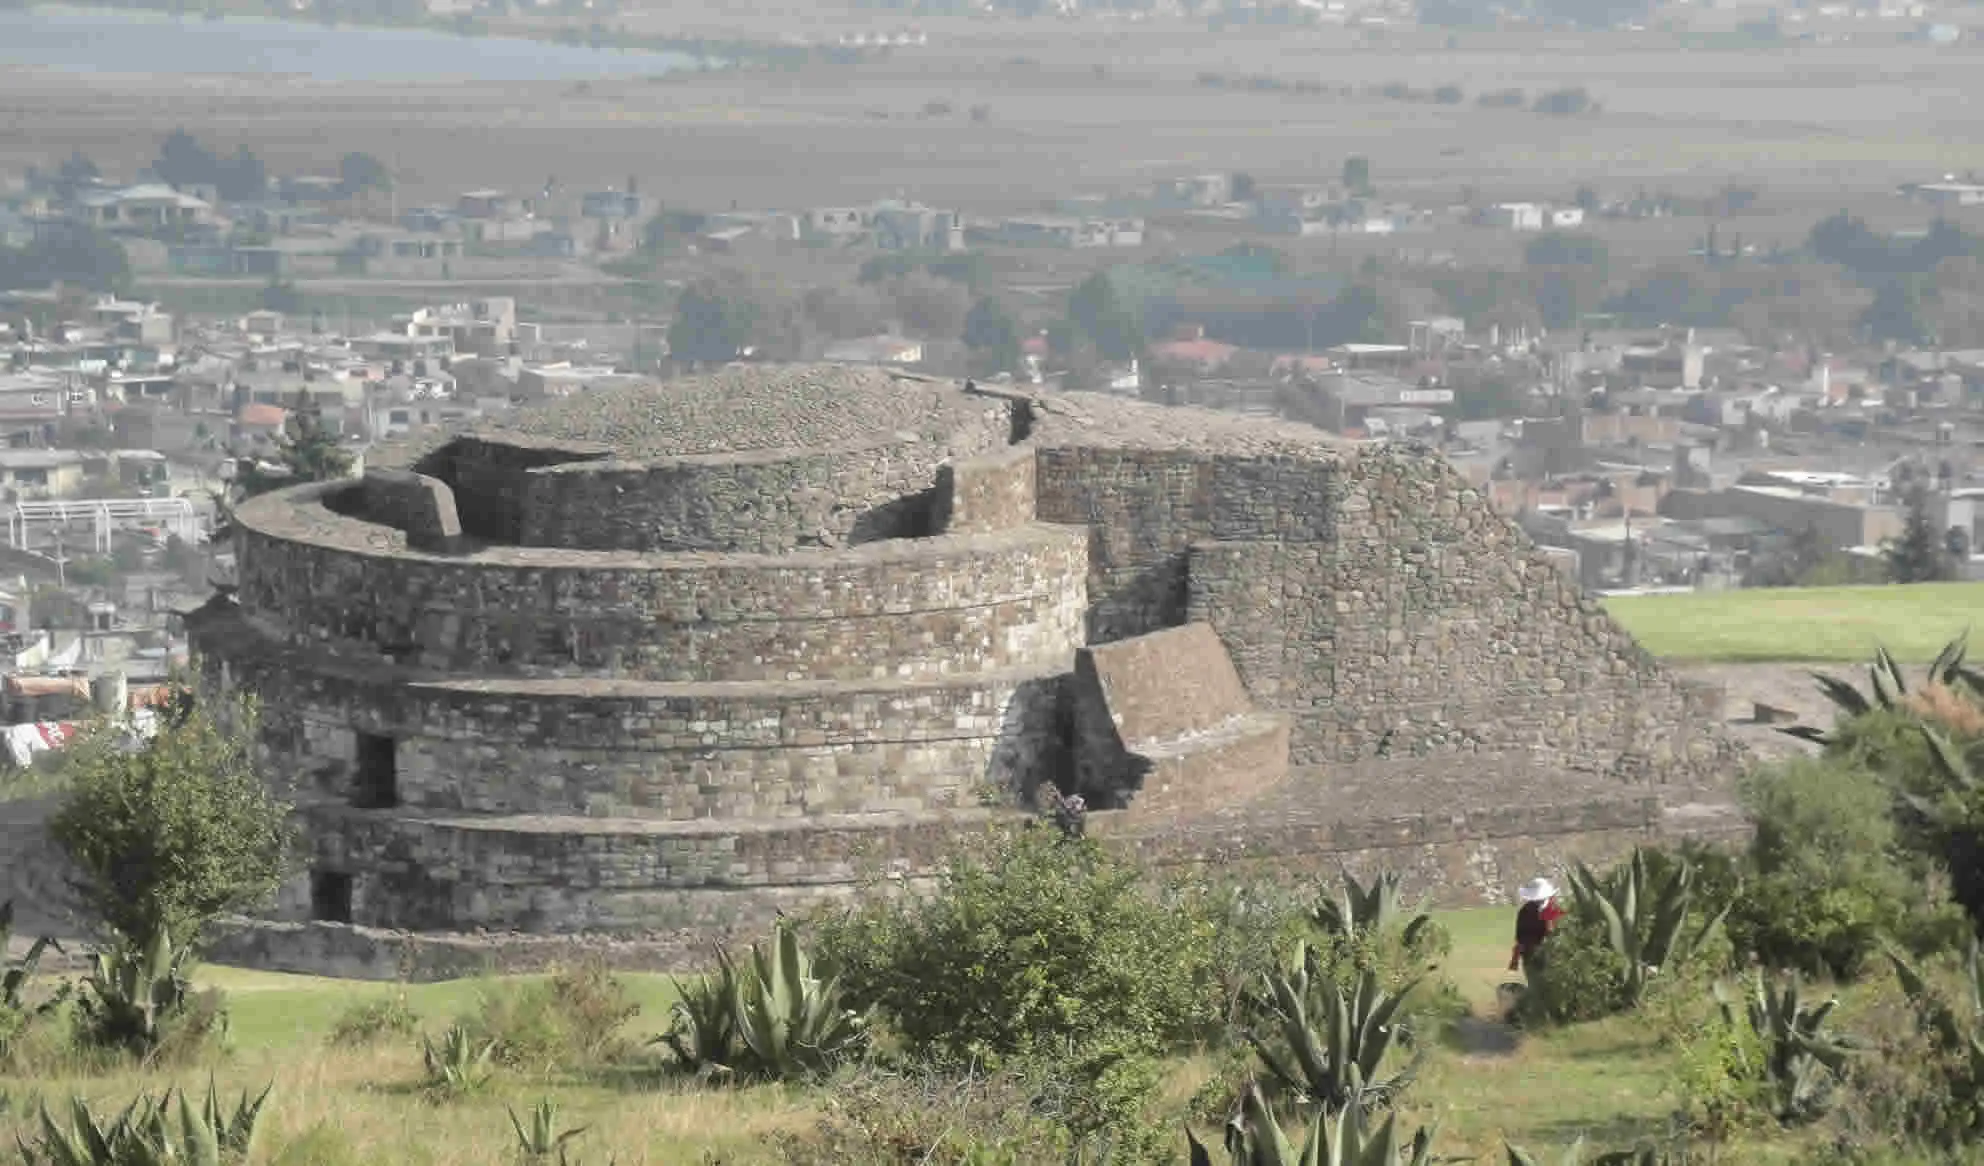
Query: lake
<point>122,41</point>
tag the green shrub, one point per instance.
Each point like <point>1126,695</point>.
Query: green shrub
<point>370,1021</point>
<point>171,835</point>
<point>573,1018</point>
<point>1031,943</point>
<point>875,1117</point>
<point>1576,975</point>
<point>1830,880</point>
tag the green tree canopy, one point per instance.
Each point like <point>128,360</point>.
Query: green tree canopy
<point>713,322</point>
<point>993,337</point>
<point>1918,556</point>
<point>177,831</point>
<point>307,451</point>
<point>1099,313</point>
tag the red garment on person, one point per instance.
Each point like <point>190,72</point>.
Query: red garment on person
<point>1534,922</point>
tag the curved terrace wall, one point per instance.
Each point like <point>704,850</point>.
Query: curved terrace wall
<point>548,493</point>
<point>656,751</point>
<point>925,607</point>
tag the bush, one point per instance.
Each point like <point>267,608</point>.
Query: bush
<point>1026,946</point>
<point>371,1021</point>
<point>170,835</point>
<point>878,1118</point>
<point>1575,976</point>
<point>573,1018</point>
<point>1917,1090</point>
<point>1830,879</point>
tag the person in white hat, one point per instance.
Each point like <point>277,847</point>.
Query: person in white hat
<point>1538,914</point>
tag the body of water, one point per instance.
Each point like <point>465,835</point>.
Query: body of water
<point>124,41</point>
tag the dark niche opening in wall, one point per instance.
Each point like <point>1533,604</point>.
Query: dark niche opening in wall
<point>376,784</point>
<point>330,896</point>
<point>910,516</point>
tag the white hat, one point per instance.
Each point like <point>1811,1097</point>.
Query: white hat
<point>1537,890</point>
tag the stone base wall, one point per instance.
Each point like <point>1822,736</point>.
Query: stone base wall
<point>549,875</point>
<point>1465,860</point>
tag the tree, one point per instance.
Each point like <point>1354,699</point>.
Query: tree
<point>993,337</point>
<point>928,306</point>
<point>1897,312</point>
<point>1357,173</point>
<point>83,256</point>
<point>307,451</point>
<point>1918,556</point>
<point>713,322</point>
<point>1243,186</point>
<point>176,832</point>
<point>357,172</point>
<point>1098,312</point>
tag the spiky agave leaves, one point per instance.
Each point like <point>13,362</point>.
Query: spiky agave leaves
<point>1645,922</point>
<point>702,1032</point>
<point>1374,910</point>
<point>1888,686</point>
<point>1802,1060</point>
<point>144,1132</point>
<point>1336,1044</point>
<point>789,1022</point>
<point>1255,1138</point>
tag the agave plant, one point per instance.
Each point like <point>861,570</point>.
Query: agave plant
<point>1375,910</point>
<point>145,1133</point>
<point>789,1022</point>
<point>1255,1138</point>
<point>542,1140</point>
<point>132,992</point>
<point>1888,686</point>
<point>1646,922</point>
<point>702,1031</point>
<point>1802,1061</point>
<point>15,1010</point>
<point>19,974</point>
<point>1336,1044</point>
<point>459,1064</point>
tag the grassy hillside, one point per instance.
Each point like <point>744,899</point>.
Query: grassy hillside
<point>1802,623</point>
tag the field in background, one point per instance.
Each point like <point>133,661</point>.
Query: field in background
<point>1799,624</point>
<point>336,1105</point>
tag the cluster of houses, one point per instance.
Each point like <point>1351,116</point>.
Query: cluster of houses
<point>1658,457</point>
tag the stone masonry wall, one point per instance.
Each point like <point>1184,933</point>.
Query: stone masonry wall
<point>995,491</point>
<point>1460,859</point>
<point>652,751</point>
<point>927,607</point>
<point>490,479</point>
<point>1374,596</point>
<point>765,501</point>
<point>420,506</point>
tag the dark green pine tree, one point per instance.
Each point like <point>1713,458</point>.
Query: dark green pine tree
<point>1918,556</point>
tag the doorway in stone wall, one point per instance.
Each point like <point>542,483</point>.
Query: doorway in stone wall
<point>330,896</point>
<point>376,783</point>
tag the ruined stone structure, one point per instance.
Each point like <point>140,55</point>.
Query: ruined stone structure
<point>659,661</point>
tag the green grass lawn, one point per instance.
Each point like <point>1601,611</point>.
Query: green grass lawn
<point>1608,1082</point>
<point>1800,624</point>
